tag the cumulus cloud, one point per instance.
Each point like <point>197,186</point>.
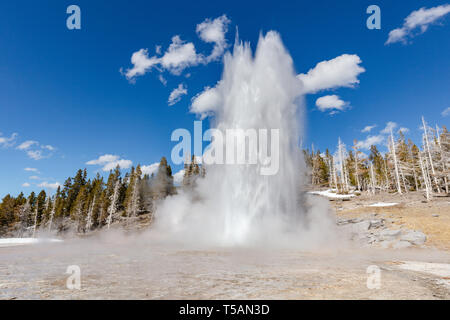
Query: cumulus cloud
<point>123,164</point>
<point>34,178</point>
<point>8,142</point>
<point>342,71</point>
<point>368,128</point>
<point>176,94</point>
<point>110,162</point>
<point>369,141</point>
<point>181,54</point>
<point>103,159</point>
<point>31,170</point>
<point>417,22</point>
<point>26,185</point>
<point>152,168</point>
<point>213,31</point>
<point>178,56</point>
<point>390,126</point>
<point>446,112</point>
<point>331,102</point>
<point>141,63</point>
<point>206,102</point>
<point>48,185</point>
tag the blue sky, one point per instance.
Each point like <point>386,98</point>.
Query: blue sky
<point>63,89</point>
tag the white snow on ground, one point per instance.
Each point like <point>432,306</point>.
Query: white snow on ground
<point>9,242</point>
<point>383,204</point>
<point>330,194</point>
<point>438,269</point>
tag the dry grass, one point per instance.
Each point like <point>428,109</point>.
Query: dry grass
<point>411,212</point>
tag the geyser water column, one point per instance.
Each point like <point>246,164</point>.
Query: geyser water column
<point>235,204</point>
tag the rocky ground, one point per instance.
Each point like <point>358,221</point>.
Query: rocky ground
<point>408,220</point>
<point>406,245</point>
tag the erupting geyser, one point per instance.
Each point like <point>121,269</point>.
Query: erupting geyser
<point>235,204</point>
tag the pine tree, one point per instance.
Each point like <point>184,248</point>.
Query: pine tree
<point>79,209</point>
<point>162,184</point>
<point>7,207</point>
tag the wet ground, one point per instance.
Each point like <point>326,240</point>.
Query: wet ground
<point>136,270</point>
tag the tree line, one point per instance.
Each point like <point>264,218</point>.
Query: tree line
<point>83,204</point>
<point>405,167</point>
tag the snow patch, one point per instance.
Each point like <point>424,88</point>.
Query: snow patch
<point>9,242</point>
<point>383,204</point>
<point>332,194</point>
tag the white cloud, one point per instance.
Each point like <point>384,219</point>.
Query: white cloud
<point>178,177</point>
<point>446,112</point>
<point>331,102</point>
<point>213,31</point>
<point>123,164</point>
<point>48,185</point>
<point>31,147</point>
<point>48,147</point>
<point>110,162</point>
<point>31,170</point>
<point>206,102</point>
<point>370,140</point>
<point>181,54</point>
<point>176,94</point>
<point>141,63</point>
<point>417,22</point>
<point>26,184</point>
<point>368,128</point>
<point>341,71</point>
<point>103,159</point>
<point>381,137</point>
<point>152,168</point>
<point>390,126</point>
<point>27,145</point>
<point>8,142</point>
<point>35,154</point>
<point>34,178</point>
